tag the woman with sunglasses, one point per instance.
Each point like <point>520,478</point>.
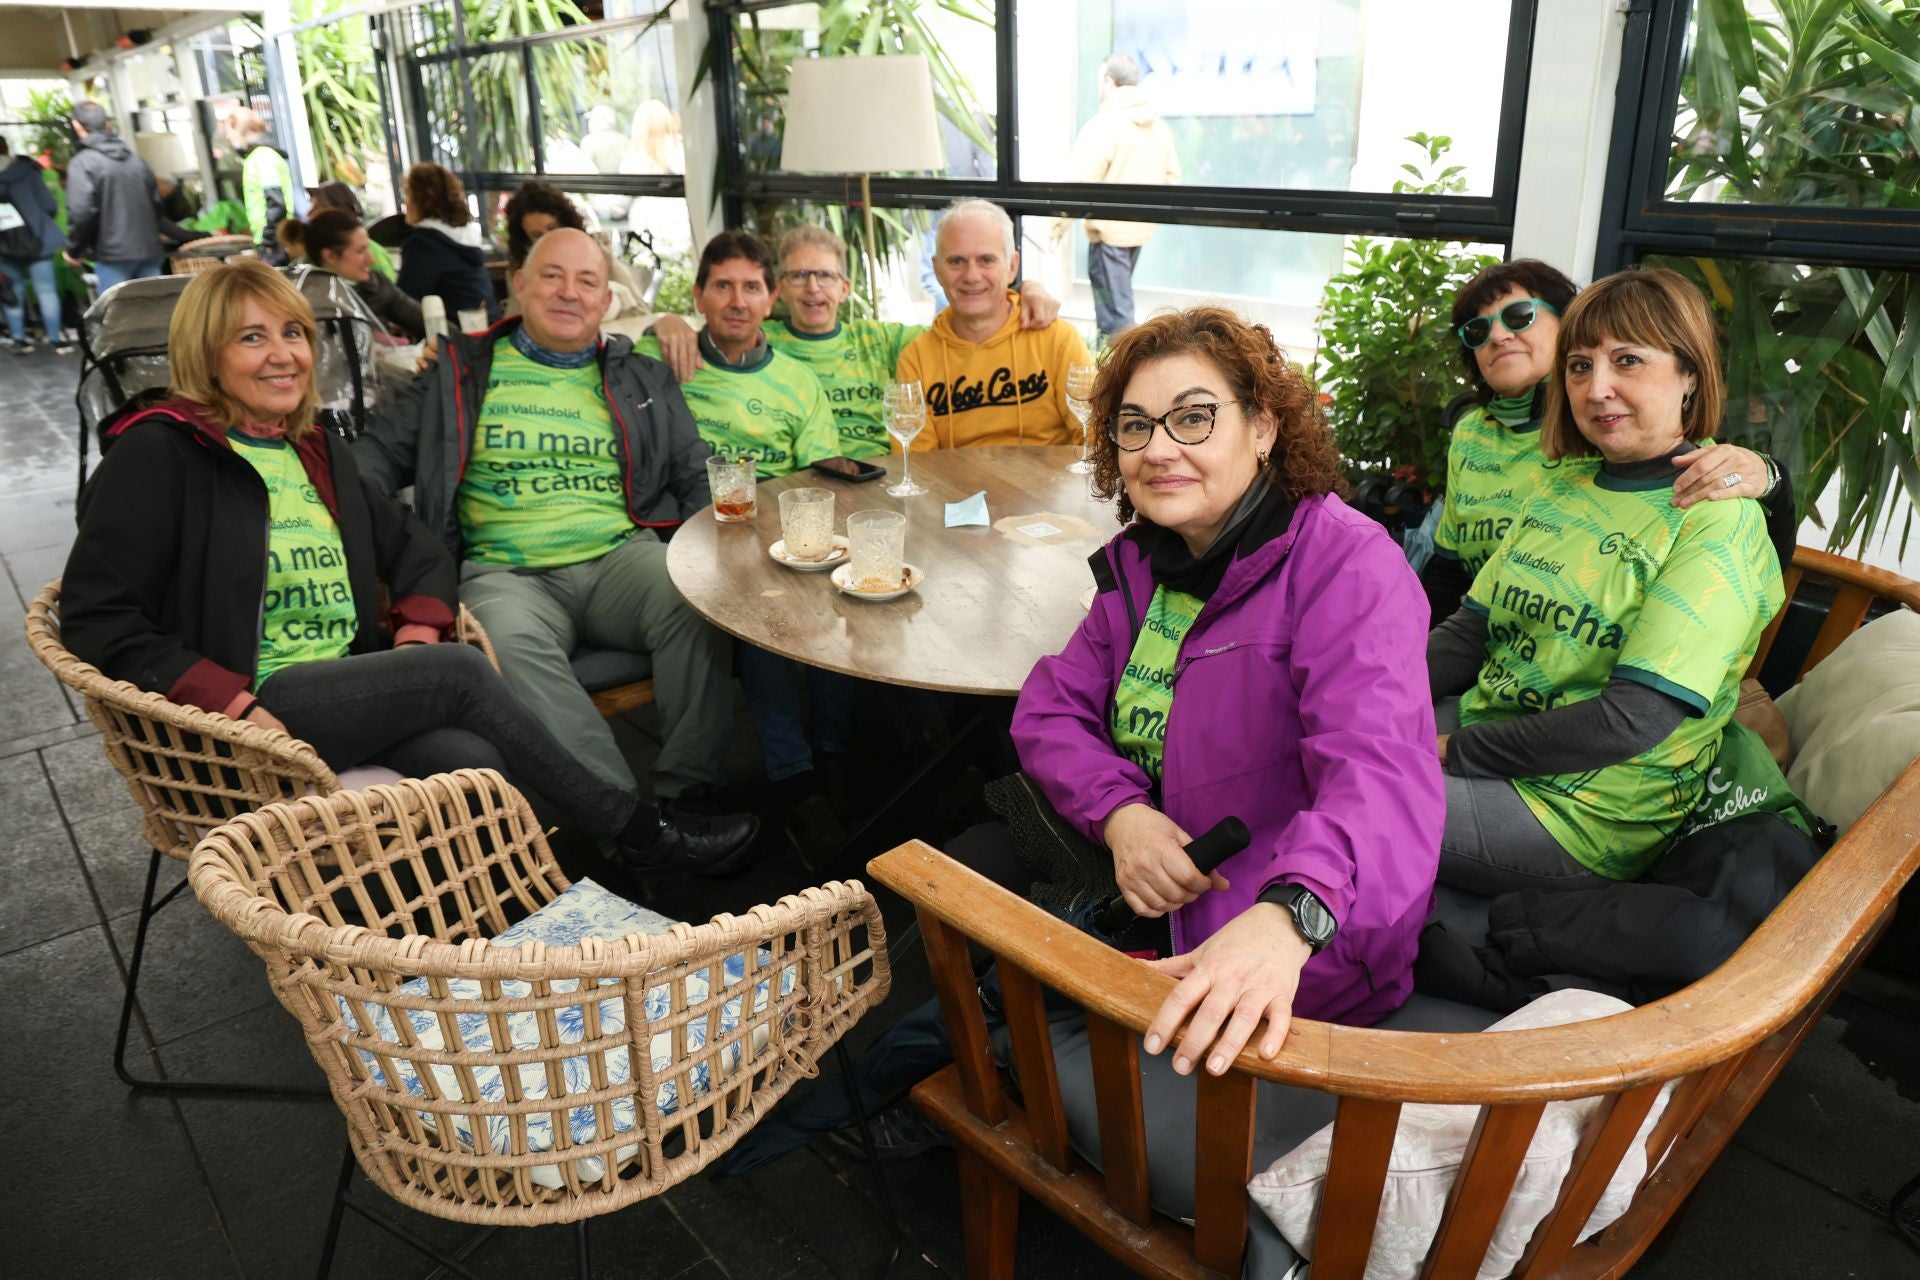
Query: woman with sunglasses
<point>1507,319</point>
<point>1601,647</point>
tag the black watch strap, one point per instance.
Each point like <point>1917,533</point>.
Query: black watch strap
<point>1310,915</point>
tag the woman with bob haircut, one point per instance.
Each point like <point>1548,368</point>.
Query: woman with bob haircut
<point>334,241</point>
<point>1508,320</point>
<point>444,253</point>
<point>230,558</point>
<point>1600,649</point>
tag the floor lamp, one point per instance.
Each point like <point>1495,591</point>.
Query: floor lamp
<point>864,116</point>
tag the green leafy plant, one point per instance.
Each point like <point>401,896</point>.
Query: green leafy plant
<point>1812,106</point>
<point>49,110</point>
<point>342,97</point>
<point>1389,362</point>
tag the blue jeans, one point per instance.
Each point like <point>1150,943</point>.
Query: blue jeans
<point>1110,272</point>
<point>772,684</point>
<point>109,274</point>
<point>41,270</point>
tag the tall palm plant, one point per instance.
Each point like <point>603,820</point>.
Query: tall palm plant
<point>1812,105</point>
<point>342,98</point>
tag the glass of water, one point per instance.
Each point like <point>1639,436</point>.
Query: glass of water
<point>1080,380</point>
<point>906,408</point>
<point>806,523</point>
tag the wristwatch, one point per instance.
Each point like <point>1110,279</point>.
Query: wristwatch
<point>1310,915</point>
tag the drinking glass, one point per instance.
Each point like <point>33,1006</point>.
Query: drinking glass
<point>806,523</point>
<point>879,541</point>
<point>1080,380</point>
<point>906,408</point>
<point>732,484</point>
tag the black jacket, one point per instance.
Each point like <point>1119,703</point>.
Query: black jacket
<point>393,308</point>
<point>432,263</point>
<point>113,202</point>
<point>24,186</point>
<point>167,577</point>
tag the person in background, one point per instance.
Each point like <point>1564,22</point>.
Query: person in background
<point>545,458</point>
<point>534,209</point>
<point>231,557</point>
<point>853,357</point>
<point>30,236</point>
<point>338,195</point>
<point>1508,319</point>
<point>333,240</point>
<point>266,180</point>
<point>444,252</point>
<point>603,142</point>
<point>1128,142</point>
<point>987,380</point>
<point>113,205</point>
<point>1601,646</point>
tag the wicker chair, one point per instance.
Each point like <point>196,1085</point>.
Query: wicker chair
<point>189,771</point>
<point>589,1104</point>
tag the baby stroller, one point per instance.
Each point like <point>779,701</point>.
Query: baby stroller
<point>123,343</point>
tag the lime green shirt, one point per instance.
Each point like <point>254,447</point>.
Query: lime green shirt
<point>770,409</point>
<point>382,260</point>
<point>543,486</point>
<point>854,364</point>
<point>308,613</point>
<point>1144,698</point>
<point>1603,578</point>
<point>1492,469</point>
<point>264,167</point>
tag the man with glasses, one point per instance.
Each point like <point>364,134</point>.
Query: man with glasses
<point>854,358</point>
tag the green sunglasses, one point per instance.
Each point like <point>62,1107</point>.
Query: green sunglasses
<point>1516,317</point>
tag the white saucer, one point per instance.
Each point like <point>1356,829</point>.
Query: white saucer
<point>844,572</point>
<point>779,552</point>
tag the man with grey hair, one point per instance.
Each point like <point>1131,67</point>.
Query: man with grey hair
<point>1128,142</point>
<point>113,204</point>
<point>987,380</point>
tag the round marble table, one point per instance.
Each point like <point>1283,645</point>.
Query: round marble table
<point>994,600</point>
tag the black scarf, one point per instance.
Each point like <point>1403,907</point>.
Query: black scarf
<point>1262,514</point>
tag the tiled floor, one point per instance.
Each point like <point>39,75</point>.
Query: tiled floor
<point>100,1182</point>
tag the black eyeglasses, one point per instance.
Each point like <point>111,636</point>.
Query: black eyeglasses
<point>803,278</point>
<point>1515,317</point>
<point>1185,424</point>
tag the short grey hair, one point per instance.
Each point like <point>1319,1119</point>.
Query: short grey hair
<point>1121,68</point>
<point>976,208</point>
<point>807,237</point>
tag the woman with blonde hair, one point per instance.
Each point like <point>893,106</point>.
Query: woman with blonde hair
<point>230,557</point>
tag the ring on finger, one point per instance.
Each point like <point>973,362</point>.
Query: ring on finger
<point>1730,479</point>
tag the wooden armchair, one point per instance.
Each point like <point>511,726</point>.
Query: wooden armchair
<point>531,1083</point>
<point>189,771</point>
<point>1721,1042</point>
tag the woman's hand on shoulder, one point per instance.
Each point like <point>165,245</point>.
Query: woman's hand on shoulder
<point>1150,861</point>
<point>1706,472</point>
<point>1240,980</point>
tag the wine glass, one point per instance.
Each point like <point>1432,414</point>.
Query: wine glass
<point>1080,380</point>
<point>906,408</point>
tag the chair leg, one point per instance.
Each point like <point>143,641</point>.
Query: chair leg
<point>342,1201</point>
<point>583,1260</point>
<point>339,1211</point>
<point>845,1061</point>
<point>148,910</point>
<point>990,1216</point>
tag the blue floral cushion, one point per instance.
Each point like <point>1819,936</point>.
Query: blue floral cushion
<point>584,910</point>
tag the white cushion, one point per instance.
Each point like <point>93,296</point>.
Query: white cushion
<point>1855,719</point>
<point>1428,1149</point>
<point>584,910</point>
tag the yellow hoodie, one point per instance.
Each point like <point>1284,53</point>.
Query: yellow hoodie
<point>1010,389</point>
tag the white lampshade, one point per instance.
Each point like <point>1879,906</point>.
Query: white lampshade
<point>861,115</point>
<point>167,154</point>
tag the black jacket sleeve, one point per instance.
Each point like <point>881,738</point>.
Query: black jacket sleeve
<point>687,453</point>
<point>1444,580</point>
<point>386,452</point>
<point>1626,719</point>
<point>1783,522</point>
<point>393,307</point>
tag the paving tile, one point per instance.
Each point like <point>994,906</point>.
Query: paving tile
<point>37,517</point>
<point>115,857</point>
<point>43,555</point>
<point>46,893</point>
<point>86,782</point>
<point>26,797</point>
<point>196,972</point>
<point>33,698</point>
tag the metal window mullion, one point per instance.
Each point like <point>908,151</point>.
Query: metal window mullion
<point>534,113</point>
<point>720,48</point>
<point>1523,16</point>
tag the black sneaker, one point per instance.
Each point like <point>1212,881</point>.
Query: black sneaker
<point>899,1132</point>
<point>21,346</point>
<point>690,844</point>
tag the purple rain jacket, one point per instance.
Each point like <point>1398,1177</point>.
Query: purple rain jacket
<point>1301,706</point>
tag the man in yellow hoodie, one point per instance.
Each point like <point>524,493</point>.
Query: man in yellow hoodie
<point>987,380</point>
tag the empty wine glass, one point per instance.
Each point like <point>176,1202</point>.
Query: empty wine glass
<point>906,408</point>
<point>1080,380</point>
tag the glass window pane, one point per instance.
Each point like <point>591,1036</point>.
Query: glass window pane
<point>610,103</point>
<point>956,36</point>
<point>1806,113</point>
<point>1300,94</point>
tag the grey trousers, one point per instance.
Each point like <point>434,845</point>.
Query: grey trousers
<point>624,600</point>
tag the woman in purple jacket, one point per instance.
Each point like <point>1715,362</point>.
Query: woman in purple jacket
<point>1253,650</point>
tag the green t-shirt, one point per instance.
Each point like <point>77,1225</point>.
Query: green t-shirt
<point>1144,699</point>
<point>1604,578</point>
<point>543,486</point>
<point>770,409</point>
<point>308,613</point>
<point>1492,469</point>
<point>854,364</point>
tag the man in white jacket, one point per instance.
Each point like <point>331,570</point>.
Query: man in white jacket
<point>1126,142</point>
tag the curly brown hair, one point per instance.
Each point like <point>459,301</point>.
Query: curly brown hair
<point>434,192</point>
<point>1304,461</point>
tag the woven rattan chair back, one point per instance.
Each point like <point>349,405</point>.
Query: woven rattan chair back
<point>534,1084</point>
